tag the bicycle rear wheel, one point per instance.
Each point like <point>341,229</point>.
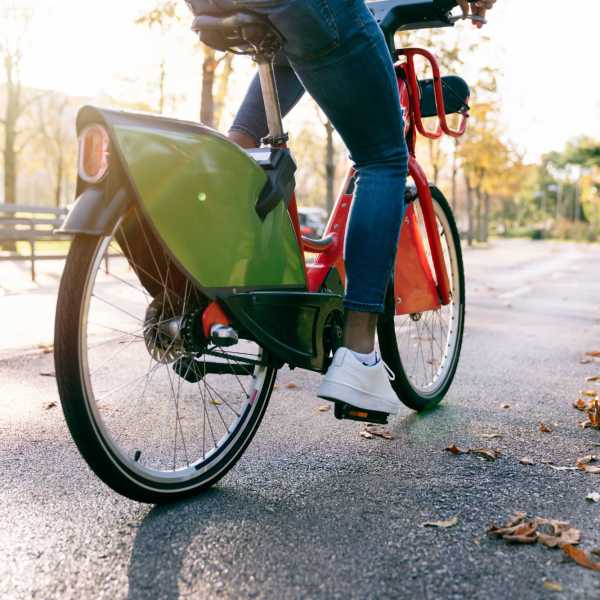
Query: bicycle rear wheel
<point>423,349</point>
<point>154,418</point>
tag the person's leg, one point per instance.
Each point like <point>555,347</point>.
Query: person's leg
<point>349,72</point>
<point>340,56</point>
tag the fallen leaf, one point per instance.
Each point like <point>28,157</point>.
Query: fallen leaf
<point>593,413</point>
<point>526,461</point>
<point>586,460</point>
<point>595,551</point>
<point>442,524</point>
<point>589,393</point>
<point>585,463</point>
<point>581,404</point>
<point>47,374</point>
<point>216,402</point>
<point>593,353</point>
<point>562,468</point>
<point>581,557</point>
<point>491,436</point>
<point>487,453</point>
<point>505,406</point>
<point>325,408</point>
<point>593,497</point>
<point>545,428</point>
<point>593,379</point>
<point>585,361</point>
<point>50,405</point>
<point>553,586</point>
<point>291,386</point>
<point>366,435</point>
<point>378,431</point>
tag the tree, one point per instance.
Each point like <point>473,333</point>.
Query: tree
<point>14,23</point>
<point>162,17</point>
<point>58,144</point>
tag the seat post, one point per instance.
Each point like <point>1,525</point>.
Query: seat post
<point>277,136</point>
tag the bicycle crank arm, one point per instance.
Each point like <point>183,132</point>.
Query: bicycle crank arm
<point>193,370</point>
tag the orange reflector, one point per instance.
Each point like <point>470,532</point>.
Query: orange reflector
<point>94,143</point>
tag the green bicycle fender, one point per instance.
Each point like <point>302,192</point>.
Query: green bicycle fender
<point>199,191</point>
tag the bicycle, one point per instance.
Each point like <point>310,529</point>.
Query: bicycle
<point>186,287</point>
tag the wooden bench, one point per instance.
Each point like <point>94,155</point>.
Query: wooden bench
<point>31,224</point>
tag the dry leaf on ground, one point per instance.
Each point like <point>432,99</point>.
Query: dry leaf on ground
<point>581,557</point>
<point>505,406</point>
<point>442,524</point>
<point>546,428</point>
<point>47,374</point>
<point>593,379</point>
<point>553,586</point>
<point>378,431</point>
<point>50,405</point>
<point>586,463</point>
<point>593,353</point>
<point>366,435</point>
<point>527,461</point>
<point>593,413</point>
<point>291,386</point>
<point>562,468</point>
<point>490,454</point>
<point>550,532</point>
<point>216,402</point>
<point>589,393</point>
<point>595,551</point>
<point>325,408</point>
<point>581,404</point>
<point>491,436</point>
<point>593,497</point>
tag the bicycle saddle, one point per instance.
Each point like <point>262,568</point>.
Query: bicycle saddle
<point>223,25</point>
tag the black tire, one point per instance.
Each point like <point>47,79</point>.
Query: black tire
<point>88,431</point>
<point>419,396</point>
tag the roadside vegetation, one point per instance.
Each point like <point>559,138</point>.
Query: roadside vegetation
<point>493,189</point>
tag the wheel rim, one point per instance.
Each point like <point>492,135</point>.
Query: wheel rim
<point>428,342</point>
<point>157,427</point>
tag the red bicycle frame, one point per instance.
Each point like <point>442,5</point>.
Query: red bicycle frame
<point>416,288</point>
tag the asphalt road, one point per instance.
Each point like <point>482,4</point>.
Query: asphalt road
<point>315,511</point>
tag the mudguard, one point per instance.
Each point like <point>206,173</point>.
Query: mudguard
<point>197,192</point>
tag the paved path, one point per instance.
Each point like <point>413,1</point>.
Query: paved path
<point>315,511</point>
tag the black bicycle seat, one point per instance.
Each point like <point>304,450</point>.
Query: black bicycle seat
<point>241,30</point>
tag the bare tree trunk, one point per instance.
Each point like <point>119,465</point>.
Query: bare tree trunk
<point>329,166</point>
<point>162,99</point>
<point>434,157</point>
<point>59,181</point>
<point>486,216</point>
<point>454,174</point>
<point>470,232</point>
<point>223,88</point>
<point>11,117</point>
<point>209,66</point>
<point>478,215</point>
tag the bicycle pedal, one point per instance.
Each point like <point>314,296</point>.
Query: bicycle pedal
<point>351,413</point>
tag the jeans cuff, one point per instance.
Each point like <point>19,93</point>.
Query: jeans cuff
<point>364,307</point>
<point>247,131</point>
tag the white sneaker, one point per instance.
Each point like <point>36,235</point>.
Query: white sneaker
<point>349,380</point>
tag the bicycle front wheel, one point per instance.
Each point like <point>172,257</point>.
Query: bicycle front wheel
<point>154,419</point>
<point>423,349</point>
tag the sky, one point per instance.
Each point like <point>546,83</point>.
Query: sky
<point>545,49</point>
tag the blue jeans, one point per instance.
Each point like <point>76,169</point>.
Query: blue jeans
<point>339,55</point>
